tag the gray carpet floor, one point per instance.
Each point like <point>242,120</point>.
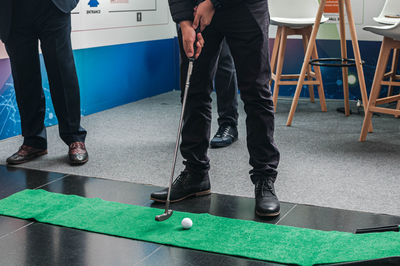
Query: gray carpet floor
<point>322,162</point>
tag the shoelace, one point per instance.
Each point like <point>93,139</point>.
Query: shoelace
<point>181,178</point>
<point>223,132</point>
<point>263,186</point>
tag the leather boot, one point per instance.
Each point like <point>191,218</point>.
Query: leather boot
<point>267,203</point>
<point>185,185</point>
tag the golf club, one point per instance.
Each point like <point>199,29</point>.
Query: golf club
<point>168,212</point>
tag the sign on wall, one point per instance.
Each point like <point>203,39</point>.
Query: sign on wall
<point>112,14</point>
<point>332,6</point>
<point>332,11</point>
<point>98,23</point>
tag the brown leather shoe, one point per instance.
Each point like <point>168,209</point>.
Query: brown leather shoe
<point>77,153</point>
<point>25,154</point>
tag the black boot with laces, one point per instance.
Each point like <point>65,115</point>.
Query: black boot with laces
<point>225,136</point>
<point>267,203</point>
<point>185,185</point>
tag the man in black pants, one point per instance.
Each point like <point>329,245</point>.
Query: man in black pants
<point>227,104</point>
<point>22,24</point>
<point>226,88</point>
<point>244,24</point>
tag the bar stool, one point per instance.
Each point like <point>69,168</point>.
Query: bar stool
<point>296,20</point>
<point>391,41</point>
<point>390,16</point>
<point>344,62</point>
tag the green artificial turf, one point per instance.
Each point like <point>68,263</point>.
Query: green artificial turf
<point>249,239</point>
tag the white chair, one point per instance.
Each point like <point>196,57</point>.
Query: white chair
<point>391,41</point>
<point>294,13</point>
<point>390,13</point>
<point>294,17</point>
<point>389,31</point>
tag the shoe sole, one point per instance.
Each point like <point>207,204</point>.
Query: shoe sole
<point>268,214</point>
<point>216,146</point>
<point>30,159</point>
<point>197,194</point>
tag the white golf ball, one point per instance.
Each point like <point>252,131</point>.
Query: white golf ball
<point>187,223</point>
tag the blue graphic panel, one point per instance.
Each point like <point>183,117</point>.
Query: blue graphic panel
<point>9,115</point>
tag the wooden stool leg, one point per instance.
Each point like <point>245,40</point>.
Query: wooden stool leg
<point>343,48</point>
<point>398,108</point>
<point>310,87</point>
<point>318,74</point>
<point>281,58</point>
<point>275,50</point>
<point>394,70</point>
<point>357,55</point>
<point>306,62</point>
<point>376,86</point>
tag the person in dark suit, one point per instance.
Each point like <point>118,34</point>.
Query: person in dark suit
<point>22,24</point>
<point>226,88</point>
<point>244,24</point>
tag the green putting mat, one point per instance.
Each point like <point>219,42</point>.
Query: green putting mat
<point>249,239</point>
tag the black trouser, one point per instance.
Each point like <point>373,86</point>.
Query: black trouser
<point>226,88</point>
<point>42,20</point>
<point>245,28</point>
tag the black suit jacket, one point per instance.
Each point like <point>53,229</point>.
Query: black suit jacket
<point>6,11</point>
<point>183,9</point>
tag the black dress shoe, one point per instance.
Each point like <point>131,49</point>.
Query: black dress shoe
<point>185,185</point>
<point>25,154</point>
<point>225,136</point>
<point>267,203</point>
<point>78,154</point>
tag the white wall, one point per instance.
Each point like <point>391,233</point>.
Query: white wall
<point>115,22</point>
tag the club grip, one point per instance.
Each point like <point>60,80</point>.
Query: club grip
<point>195,45</point>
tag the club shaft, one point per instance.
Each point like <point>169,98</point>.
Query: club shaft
<point>178,138</point>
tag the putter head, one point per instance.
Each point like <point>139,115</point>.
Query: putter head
<point>164,216</point>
